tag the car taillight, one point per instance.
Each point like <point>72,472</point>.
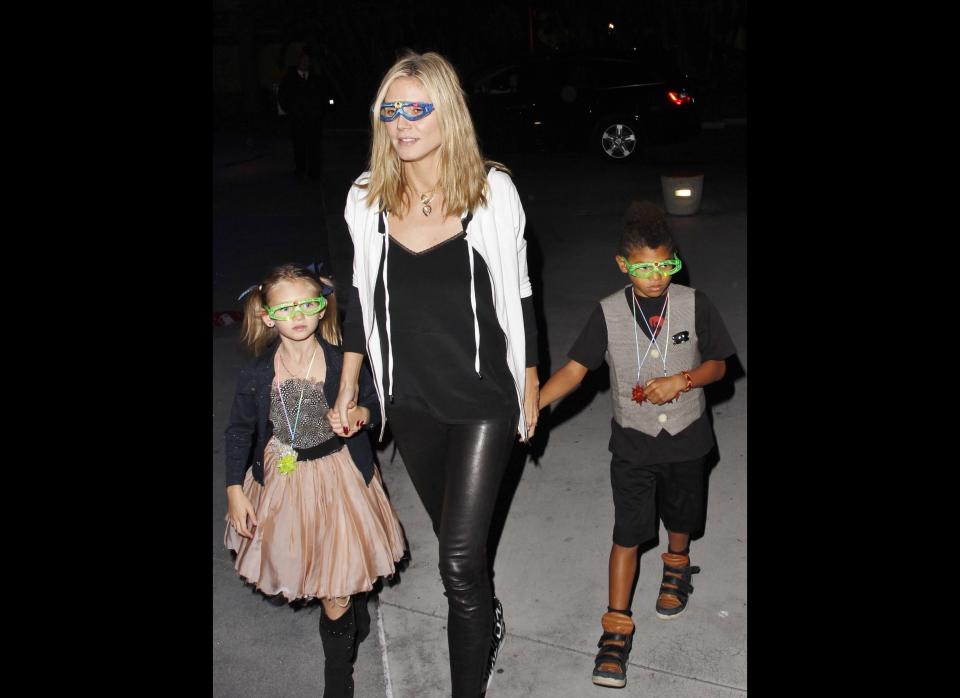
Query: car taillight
<point>680,97</point>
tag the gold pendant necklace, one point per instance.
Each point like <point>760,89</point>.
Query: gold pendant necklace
<point>425,200</point>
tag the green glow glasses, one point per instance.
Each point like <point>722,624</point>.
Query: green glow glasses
<point>307,306</point>
<point>644,270</point>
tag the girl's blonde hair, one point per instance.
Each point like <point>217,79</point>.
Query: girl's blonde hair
<point>462,170</point>
<point>257,336</point>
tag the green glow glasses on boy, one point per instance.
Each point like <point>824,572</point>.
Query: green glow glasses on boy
<point>644,270</point>
<point>307,306</point>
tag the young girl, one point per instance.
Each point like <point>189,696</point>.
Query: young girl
<point>310,518</point>
<point>662,343</point>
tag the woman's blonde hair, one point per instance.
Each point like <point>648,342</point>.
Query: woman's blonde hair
<point>257,336</point>
<point>462,170</point>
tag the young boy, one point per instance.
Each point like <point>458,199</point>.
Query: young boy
<point>662,344</point>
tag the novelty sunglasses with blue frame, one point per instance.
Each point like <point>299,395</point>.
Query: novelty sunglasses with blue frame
<point>411,111</point>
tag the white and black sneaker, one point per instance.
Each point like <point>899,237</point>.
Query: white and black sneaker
<point>496,640</point>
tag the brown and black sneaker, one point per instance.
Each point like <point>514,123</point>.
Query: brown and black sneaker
<point>675,587</point>
<point>610,666</point>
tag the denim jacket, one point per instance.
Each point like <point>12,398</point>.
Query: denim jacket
<point>250,428</point>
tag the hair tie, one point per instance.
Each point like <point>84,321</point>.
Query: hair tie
<point>259,287</point>
<point>315,268</point>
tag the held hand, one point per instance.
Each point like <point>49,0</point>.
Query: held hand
<point>339,414</point>
<point>661,390</point>
<point>531,406</point>
<point>238,510</point>
<point>356,419</point>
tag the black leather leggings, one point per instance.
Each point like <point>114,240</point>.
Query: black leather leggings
<point>457,470</point>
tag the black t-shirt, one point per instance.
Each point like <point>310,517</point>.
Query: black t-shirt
<point>431,328</point>
<point>713,342</point>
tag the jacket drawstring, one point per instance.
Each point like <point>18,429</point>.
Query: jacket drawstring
<point>473,302</point>
<point>386,303</point>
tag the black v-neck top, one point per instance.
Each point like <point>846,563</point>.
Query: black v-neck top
<point>431,327</point>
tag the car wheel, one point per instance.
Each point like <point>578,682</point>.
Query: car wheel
<point>619,141</point>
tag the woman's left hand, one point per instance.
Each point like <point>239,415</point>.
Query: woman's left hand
<point>356,421</point>
<point>531,400</point>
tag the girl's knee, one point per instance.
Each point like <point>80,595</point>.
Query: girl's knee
<point>336,606</point>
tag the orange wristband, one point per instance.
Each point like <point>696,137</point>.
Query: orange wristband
<point>689,381</point>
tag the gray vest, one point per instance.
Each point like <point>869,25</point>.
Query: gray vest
<point>622,359</point>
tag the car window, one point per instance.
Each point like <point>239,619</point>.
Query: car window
<point>503,82</point>
<point>562,73</point>
<point>612,73</point>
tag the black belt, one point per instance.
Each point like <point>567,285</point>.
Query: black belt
<point>322,449</point>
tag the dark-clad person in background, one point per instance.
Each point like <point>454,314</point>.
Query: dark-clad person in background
<point>303,97</point>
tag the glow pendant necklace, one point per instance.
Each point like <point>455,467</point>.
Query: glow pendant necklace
<point>638,395</point>
<point>287,461</point>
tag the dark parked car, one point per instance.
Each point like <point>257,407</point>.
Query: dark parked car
<point>612,106</point>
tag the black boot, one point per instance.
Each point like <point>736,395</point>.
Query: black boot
<point>363,616</point>
<point>339,639</point>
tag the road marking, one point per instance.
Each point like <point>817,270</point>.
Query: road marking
<point>384,659</point>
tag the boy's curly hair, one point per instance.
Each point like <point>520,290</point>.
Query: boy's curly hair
<point>644,225</point>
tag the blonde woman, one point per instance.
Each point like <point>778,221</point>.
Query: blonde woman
<point>442,309</point>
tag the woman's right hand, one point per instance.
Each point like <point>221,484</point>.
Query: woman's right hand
<point>238,509</point>
<point>346,401</point>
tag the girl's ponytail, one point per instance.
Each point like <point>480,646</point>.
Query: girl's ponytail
<point>253,333</point>
<point>330,324</point>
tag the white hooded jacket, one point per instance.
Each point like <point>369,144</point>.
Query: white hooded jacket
<point>495,232</point>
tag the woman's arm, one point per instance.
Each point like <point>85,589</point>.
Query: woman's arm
<point>510,214</point>
<point>353,336</point>
<point>365,414</point>
<point>354,341</point>
<point>508,201</point>
<point>368,396</point>
<point>348,393</point>
<point>531,400</point>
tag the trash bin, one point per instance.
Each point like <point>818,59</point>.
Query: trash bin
<point>682,192</point>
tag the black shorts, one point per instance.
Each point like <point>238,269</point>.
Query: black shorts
<point>639,491</point>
